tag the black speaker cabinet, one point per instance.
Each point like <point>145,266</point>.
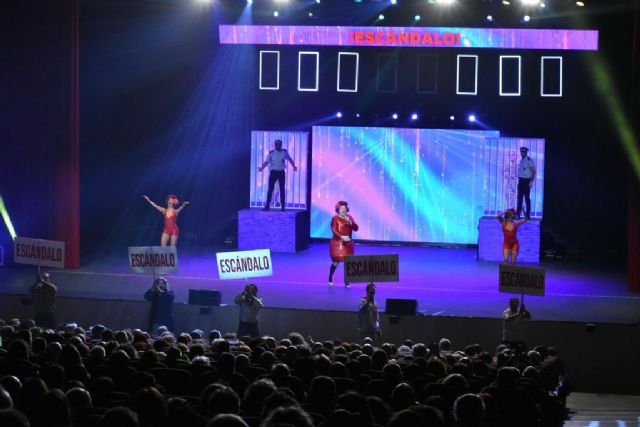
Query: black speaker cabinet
<point>401,307</point>
<point>204,298</point>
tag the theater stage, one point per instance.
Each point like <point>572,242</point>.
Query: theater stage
<point>444,281</point>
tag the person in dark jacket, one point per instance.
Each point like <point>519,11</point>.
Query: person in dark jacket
<point>44,292</point>
<point>161,299</point>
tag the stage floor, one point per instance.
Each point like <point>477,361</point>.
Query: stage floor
<point>446,282</point>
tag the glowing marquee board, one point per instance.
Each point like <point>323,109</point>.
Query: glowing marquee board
<point>438,37</point>
<point>403,185</point>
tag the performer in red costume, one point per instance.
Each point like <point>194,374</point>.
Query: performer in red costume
<point>342,225</point>
<point>510,246</point>
<point>170,215</point>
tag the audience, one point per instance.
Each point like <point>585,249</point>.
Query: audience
<point>98,377</point>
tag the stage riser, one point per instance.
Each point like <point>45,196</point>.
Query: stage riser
<point>590,368</point>
<point>490,239</point>
<point>279,231</point>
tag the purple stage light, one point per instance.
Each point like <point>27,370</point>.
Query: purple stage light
<point>414,116</point>
<point>339,114</point>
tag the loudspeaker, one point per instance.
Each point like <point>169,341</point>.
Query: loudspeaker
<point>401,307</point>
<point>204,298</point>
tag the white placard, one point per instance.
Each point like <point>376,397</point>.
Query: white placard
<point>153,259</point>
<point>244,264</point>
<point>371,268</point>
<point>45,253</point>
<point>522,280</point>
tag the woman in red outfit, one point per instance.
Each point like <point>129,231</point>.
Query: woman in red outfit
<point>170,214</point>
<point>510,245</point>
<point>342,225</point>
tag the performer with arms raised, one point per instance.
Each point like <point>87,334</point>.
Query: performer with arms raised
<point>170,214</point>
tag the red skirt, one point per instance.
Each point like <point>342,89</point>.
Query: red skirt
<point>338,249</point>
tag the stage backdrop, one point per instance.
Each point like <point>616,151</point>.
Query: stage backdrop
<point>403,185</point>
<point>296,186</point>
<point>502,156</point>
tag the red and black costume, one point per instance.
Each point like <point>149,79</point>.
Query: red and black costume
<point>341,227</point>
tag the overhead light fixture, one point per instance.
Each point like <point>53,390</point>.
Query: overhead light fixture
<point>580,3</point>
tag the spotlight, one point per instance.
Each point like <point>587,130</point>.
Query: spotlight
<point>530,2</point>
<point>276,13</point>
<point>471,118</point>
<point>339,114</point>
<point>417,18</point>
<point>414,116</point>
<point>310,14</point>
<point>394,2</point>
<point>445,2</point>
<point>249,1</point>
<point>358,115</point>
<point>452,118</point>
<point>489,18</point>
<point>205,1</point>
<point>394,116</point>
<point>506,2</point>
<point>543,5</point>
<point>580,3</point>
<point>318,1</point>
<point>526,18</point>
<point>381,17</point>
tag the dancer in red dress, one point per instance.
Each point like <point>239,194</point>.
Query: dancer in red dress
<point>342,225</point>
<point>510,246</point>
<point>170,231</point>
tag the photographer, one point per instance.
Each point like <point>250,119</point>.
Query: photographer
<point>513,329</point>
<point>250,305</point>
<point>161,299</point>
<point>45,301</point>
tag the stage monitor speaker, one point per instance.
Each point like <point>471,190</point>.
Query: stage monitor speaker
<point>204,298</point>
<point>401,307</point>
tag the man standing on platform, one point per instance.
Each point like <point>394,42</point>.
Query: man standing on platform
<point>45,301</point>
<point>526,178</point>
<point>276,161</point>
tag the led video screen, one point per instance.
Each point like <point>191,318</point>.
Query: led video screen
<point>402,185</point>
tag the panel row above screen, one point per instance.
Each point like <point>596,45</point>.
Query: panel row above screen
<point>388,73</point>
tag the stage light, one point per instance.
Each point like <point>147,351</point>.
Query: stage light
<point>249,1</point>
<point>526,18</point>
<point>489,18</point>
<point>506,2</point>
<point>394,2</point>
<point>339,114</point>
<point>446,2</point>
<point>417,18</point>
<point>394,116</point>
<point>204,1</point>
<point>358,115</point>
<point>7,220</point>
<point>310,14</point>
<point>414,116</point>
<point>543,5</point>
<point>318,1</point>
<point>381,17</point>
<point>530,3</point>
<point>580,3</point>
<point>471,118</point>
<point>452,118</point>
<point>276,13</point>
